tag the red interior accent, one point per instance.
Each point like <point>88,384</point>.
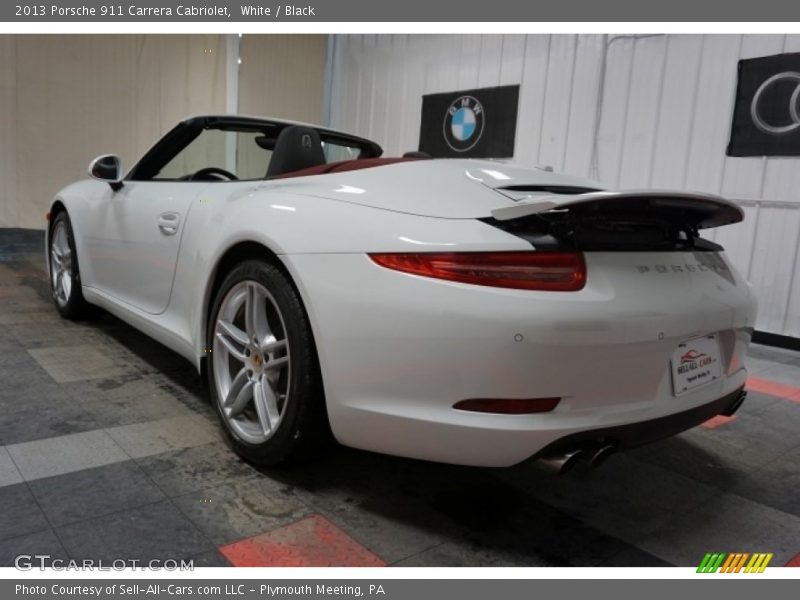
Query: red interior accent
<point>346,165</point>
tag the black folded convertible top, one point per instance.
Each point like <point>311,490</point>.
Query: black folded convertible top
<point>187,130</point>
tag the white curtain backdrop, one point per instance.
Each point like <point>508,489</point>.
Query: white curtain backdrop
<point>65,99</point>
<point>282,76</point>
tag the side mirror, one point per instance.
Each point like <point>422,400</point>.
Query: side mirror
<point>107,168</point>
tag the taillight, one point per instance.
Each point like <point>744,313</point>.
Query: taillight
<point>546,271</point>
<point>504,406</point>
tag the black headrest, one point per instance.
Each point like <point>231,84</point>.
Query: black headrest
<point>297,147</point>
<point>266,142</point>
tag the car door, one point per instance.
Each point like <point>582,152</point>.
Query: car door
<point>134,242</point>
<point>136,231</point>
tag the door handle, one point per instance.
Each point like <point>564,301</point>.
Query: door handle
<point>168,223</point>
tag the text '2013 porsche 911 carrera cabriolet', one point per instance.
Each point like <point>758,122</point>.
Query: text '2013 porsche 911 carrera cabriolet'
<point>454,310</point>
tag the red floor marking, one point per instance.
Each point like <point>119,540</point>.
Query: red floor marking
<point>310,542</point>
<point>794,562</point>
<point>773,388</point>
<point>718,421</point>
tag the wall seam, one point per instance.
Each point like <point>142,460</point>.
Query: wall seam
<point>329,74</point>
<point>621,152</point>
<point>659,105</point>
<point>693,120</point>
<point>569,107</point>
<point>544,99</point>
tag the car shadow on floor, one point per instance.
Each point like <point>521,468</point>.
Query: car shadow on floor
<point>465,515</point>
<point>415,512</point>
<point>405,509</point>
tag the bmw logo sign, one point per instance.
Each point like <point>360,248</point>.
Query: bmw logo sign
<point>463,123</point>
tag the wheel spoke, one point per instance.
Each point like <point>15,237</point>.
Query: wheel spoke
<point>236,386</point>
<point>60,241</point>
<point>242,399</point>
<point>277,363</point>
<point>266,405</point>
<point>233,338</point>
<point>272,345</point>
<point>233,332</point>
<point>54,256</point>
<point>58,288</point>
<point>235,352</point>
<point>256,316</point>
<point>66,285</point>
<point>240,394</point>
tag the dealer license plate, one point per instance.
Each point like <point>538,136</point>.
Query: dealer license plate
<point>695,363</point>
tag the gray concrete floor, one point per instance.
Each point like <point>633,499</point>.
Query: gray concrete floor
<point>109,449</point>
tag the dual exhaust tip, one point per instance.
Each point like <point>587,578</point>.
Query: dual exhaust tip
<point>563,462</point>
<point>596,453</point>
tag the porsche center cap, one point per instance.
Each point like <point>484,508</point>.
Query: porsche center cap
<point>463,123</point>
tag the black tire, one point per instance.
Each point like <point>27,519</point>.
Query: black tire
<point>303,430</point>
<point>73,305</point>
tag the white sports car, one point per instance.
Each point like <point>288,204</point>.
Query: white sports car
<point>452,310</point>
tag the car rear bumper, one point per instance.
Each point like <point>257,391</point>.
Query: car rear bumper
<point>631,435</point>
<point>445,435</point>
<point>397,352</point>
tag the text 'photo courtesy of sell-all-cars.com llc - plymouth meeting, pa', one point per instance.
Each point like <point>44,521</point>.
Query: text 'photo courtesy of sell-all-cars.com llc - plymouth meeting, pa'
<point>452,310</point>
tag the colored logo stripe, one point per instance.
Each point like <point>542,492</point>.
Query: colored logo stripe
<point>734,562</point>
<point>732,558</point>
<point>711,563</point>
<point>758,563</point>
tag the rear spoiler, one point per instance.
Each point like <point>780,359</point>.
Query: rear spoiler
<point>702,211</point>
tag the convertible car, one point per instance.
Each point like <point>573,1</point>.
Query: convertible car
<point>453,310</point>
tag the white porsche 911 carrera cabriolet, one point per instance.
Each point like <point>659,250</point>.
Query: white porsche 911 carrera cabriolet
<point>452,310</point>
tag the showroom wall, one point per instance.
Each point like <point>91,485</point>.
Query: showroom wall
<point>64,99</point>
<point>282,76</point>
<point>628,111</point>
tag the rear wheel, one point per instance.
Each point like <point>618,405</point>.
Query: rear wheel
<point>264,376</point>
<point>65,279</point>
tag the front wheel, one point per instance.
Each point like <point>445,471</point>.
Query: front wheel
<point>264,375</point>
<point>65,279</point>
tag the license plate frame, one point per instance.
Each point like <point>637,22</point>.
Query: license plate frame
<point>695,363</point>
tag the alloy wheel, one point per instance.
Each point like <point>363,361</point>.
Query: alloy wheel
<point>60,264</point>
<point>251,362</point>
